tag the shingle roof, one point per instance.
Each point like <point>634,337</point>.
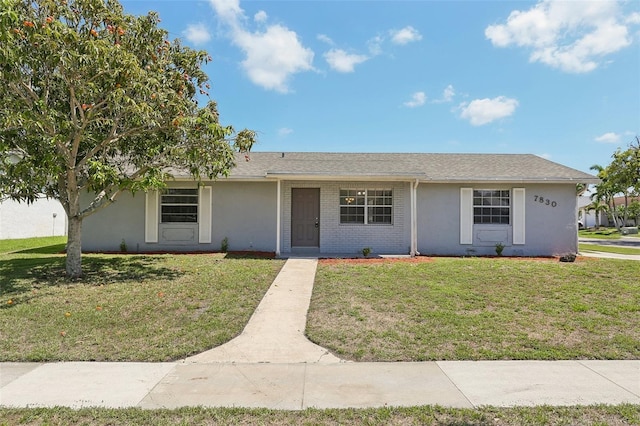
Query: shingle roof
<point>425,167</point>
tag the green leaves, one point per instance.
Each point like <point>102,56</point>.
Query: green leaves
<point>88,85</point>
<point>95,99</point>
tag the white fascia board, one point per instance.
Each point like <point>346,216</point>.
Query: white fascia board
<point>334,177</point>
<point>509,181</point>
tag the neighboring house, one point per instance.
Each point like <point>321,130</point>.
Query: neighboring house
<point>586,215</point>
<point>42,218</point>
<point>339,203</point>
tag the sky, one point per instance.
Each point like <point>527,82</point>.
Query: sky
<point>559,79</point>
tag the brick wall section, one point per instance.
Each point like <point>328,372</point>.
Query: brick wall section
<point>352,238</point>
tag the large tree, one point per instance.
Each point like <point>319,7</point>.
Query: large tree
<point>93,100</point>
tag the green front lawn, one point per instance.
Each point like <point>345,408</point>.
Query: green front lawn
<point>128,307</point>
<point>477,308</point>
<point>156,308</point>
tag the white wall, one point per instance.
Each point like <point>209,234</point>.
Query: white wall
<point>22,220</point>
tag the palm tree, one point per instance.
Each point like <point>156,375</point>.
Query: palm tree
<point>604,193</point>
<point>599,207</point>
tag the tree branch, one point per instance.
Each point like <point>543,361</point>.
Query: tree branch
<point>110,138</point>
<point>105,197</point>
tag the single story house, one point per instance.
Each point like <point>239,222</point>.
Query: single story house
<point>340,203</point>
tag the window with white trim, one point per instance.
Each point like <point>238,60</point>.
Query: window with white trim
<point>178,205</point>
<point>366,206</point>
<point>491,206</point>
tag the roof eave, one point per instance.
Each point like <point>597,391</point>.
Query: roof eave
<point>511,180</point>
<point>399,177</point>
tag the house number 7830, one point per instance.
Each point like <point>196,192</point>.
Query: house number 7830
<point>545,201</point>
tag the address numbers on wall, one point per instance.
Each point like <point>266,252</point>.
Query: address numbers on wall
<point>545,201</point>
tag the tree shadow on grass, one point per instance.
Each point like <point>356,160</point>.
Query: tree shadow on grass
<point>52,249</point>
<point>249,255</point>
<point>20,275</point>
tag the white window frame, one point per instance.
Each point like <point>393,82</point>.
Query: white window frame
<point>501,196</point>
<point>366,205</point>
<point>196,204</point>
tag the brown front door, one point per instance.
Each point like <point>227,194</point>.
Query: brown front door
<point>305,217</point>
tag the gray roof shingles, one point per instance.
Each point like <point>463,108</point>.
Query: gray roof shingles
<point>409,166</point>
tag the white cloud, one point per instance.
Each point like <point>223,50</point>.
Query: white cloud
<point>325,39</point>
<point>197,33</point>
<point>405,35</point>
<point>447,95</point>
<point>272,56</point>
<point>417,99</point>
<point>484,111</point>
<point>634,18</point>
<point>609,137</point>
<point>573,36</point>
<point>261,16</point>
<point>545,155</point>
<point>341,61</point>
<point>375,45</point>
<point>227,9</point>
<point>284,131</point>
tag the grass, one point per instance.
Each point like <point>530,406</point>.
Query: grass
<point>158,308</point>
<point>609,249</point>
<point>477,308</point>
<point>600,233</point>
<point>427,415</point>
<point>48,245</point>
<point>127,307</point>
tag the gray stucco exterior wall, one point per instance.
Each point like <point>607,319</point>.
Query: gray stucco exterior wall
<point>243,212</point>
<point>122,220</point>
<point>550,229</point>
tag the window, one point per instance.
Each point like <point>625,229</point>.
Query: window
<point>491,206</point>
<point>377,203</point>
<point>179,205</point>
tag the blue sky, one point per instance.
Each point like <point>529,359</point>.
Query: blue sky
<point>556,79</point>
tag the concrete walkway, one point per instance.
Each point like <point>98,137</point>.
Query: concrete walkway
<point>271,364</point>
<point>275,332</point>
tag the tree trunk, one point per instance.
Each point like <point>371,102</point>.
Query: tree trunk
<point>74,248</point>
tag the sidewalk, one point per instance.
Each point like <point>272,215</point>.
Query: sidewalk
<point>272,365</point>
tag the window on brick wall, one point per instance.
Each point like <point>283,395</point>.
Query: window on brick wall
<point>366,206</point>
